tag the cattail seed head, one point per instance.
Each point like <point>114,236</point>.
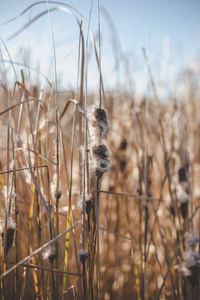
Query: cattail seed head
<point>191,265</point>
<point>101,151</point>
<point>49,253</point>
<point>182,196</point>
<point>89,203</point>
<point>11,228</point>
<point>101,165</point>
<point>58,193</point>
<point>123,145</point>
<point>83,255</point>
<point>192,240</point>
<point>184,209</point>
<point>97,122</point>
<point>122,165</point>
<point>182,174</point>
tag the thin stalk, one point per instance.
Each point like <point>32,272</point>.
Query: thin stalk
<point>99,34</point>
<point>97,235</point>
<point>85,168</point>
<point>70,202</point>
<point>57,138</point>
<point>32,266</point>
<point>190,170</point>
<point>69,219</point>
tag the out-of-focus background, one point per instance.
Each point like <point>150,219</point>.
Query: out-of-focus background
<point>168,30</point>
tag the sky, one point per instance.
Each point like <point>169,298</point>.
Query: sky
<point>168,30</point>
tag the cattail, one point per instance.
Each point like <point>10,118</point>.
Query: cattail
<point>98,126</point>
<point>49,253</point>
<point>56,192</point>
<point>192,240</point>
<point>83,255</point>
<point>101,151</point>
<point>183,179</point>
<point>101,166</point>
<point>99,162</point>
<point>97,122</point>
<point>182,174</point>
<point>89,203</point>
<point>11,227</point>
<point>122,165</point>
<point>183,198</point>
<point>123,145</point>
<point>190,267</point>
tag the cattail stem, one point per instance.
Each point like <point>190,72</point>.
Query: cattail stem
<point>99,34</point>
<point>97,233</point>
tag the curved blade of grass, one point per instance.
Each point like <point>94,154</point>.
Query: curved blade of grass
<point>38,154</point>
<point>69,12</point>
<point>21,103</point>
<point>67,105</point>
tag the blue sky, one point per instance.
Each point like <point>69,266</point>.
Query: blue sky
<point>168,29</point>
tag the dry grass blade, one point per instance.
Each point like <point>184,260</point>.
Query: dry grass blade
<point>21,103</point>
<point>36,252</point>
<point>31,266</point>
<point>130,196</point>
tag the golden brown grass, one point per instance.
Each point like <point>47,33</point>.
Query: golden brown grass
<point>68,229</point>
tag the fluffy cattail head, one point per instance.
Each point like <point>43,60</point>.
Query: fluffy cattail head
<point>88,202</point>
<point>101,151</point>
<point>192,240</point>
<point>49,253</point>
<point>97,121</point>
<point>100,166</point>
<point>56,192</point>
<point>191,265</point>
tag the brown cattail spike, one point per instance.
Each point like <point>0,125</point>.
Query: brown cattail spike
<point>83,255</point>
<point>10,238</point>
<point>58,194</point>
<point>184,209</point>
<point>123,145</point>
<point>89,203</point>
<point>101,151</point>
<point>182,174</point>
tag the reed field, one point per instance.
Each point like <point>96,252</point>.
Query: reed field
<point>100,191</point>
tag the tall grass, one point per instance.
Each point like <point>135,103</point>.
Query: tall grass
<point>78,222</point>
